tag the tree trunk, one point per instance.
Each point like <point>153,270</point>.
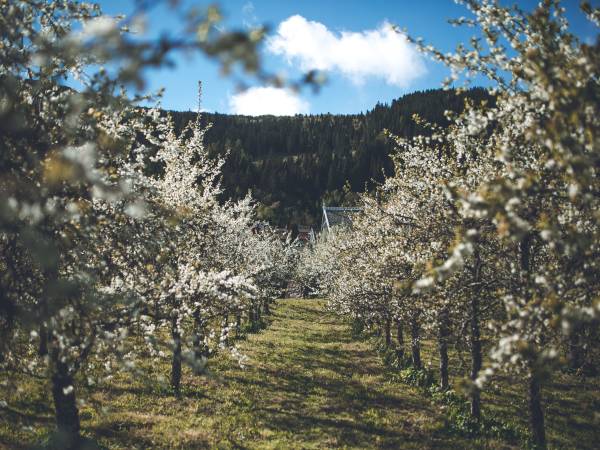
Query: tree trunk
<point>43,335</point>
<point>65,406</point>
<point>400,337</point>
<point>443,327</point>
<point>388,332</point>
<point>176,363</point>
<point>536,413</point>
<point>575,352</point>
<point>238,324</point>
<point>266,307</point>
<point>476,354</point>
<point>50,276</point>
<point>476,357</point>
<point>415,342</point>
<point>225,331</point>
<point>199,347</point>
<point>258,314</point>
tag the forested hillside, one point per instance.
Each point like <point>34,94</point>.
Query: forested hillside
<point>292,164</point>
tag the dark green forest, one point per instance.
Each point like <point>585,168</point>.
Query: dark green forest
<point>293,164</point>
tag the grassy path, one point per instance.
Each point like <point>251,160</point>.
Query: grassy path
<point>307,384</point>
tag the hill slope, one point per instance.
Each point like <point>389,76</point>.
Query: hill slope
<point>293,164</point>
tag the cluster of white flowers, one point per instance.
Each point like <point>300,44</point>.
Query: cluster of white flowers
<point>494,219</point>
<point>112,231</point>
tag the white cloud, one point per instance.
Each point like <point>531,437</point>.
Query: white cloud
<point>257,101</point>
<point>381,53</point>
<point>99,27</point>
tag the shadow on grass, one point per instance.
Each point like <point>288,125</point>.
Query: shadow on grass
<point>312,390</point>
<point>13,415</point>
<point>308,384</point>
<point>132,434</point>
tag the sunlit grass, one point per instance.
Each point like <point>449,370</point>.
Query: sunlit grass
<point>308,384</point>
<point>571,403</point>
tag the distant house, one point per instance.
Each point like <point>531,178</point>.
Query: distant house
<point>306,234</point>
<point>260,227</point>
<point>334,216</point>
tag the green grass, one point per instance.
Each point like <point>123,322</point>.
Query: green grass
<point>571,403</point>
<point>308,384</point>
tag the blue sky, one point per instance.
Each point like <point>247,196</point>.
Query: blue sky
<point>348,40</point>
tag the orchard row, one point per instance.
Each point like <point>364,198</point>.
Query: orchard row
<point>487,234</point>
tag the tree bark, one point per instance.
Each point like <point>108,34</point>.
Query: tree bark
<point>525,250</point>
<point>388,332</point>
<point>176,362</point>
<point>443,331</point>
<point>43,335</point>
<point>536,413</point>
<point>575,352</point>
<point>476,357</point>
<point>400,338</point>
<point>258,314</point>
<point>50,275</point>
<point>225,330</point>
<point>199,347</point>
<point>238,324</point>
<point>476,353</point>
<point>65,406</point>
<point>415,342</point>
